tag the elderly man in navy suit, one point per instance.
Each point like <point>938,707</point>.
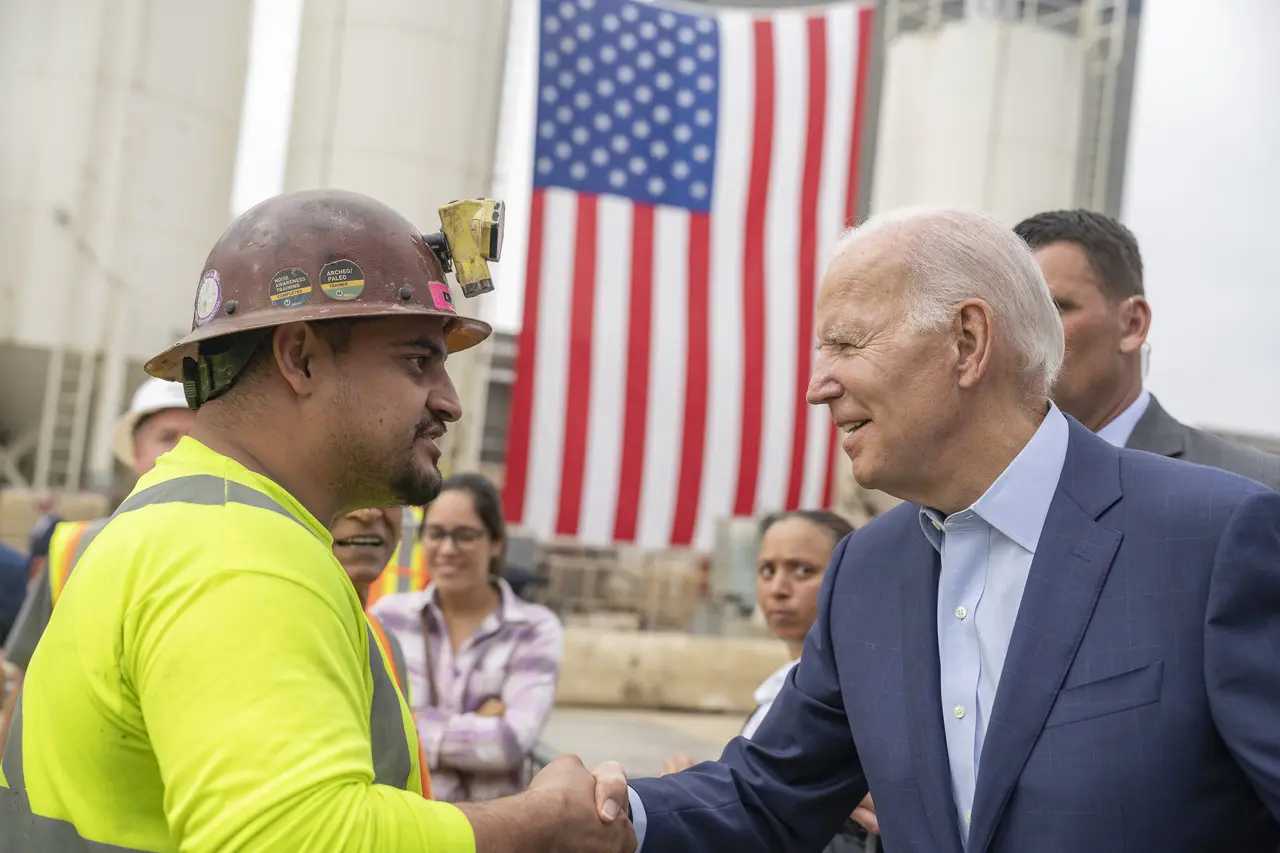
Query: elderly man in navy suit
<point>1055,645</point>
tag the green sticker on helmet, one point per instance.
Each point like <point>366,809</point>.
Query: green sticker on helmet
<point>341,280</point>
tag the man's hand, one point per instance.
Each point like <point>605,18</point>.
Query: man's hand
<point>491,708</point>
<point>587,823</point>
<point>611,789</point>
<point>681,761</point>
<point>865,816</point>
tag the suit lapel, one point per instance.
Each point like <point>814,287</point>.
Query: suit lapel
<point>1157,432</point>
<point>922,686</point>
<point>1071,563</point>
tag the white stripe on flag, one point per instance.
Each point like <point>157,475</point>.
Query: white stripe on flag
<point>552,368</point>
<point>842,69</point>
<point>664,430</point>
<point>782,249</point>
<point>728,206</point>
<point>608,370</point>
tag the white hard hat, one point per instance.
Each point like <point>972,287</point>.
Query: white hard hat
<point>154,395</point>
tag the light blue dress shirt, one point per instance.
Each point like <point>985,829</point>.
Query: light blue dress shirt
<point>986,560</point>
<point>1118,431</point>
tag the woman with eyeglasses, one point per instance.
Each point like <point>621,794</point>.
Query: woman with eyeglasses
<point>483,663</point>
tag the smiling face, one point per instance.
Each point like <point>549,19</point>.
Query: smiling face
<point>458,547</point>
<point>364,540</point>
<point>891,391</point>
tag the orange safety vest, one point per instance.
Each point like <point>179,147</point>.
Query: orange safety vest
<point>384,643</point>
<point>407,571</point>
<point>68,543</point>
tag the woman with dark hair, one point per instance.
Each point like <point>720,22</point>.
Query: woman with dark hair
<point>795,548</point>
<point>483,664</point>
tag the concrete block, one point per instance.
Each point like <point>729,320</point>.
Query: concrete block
<point>665,671</point>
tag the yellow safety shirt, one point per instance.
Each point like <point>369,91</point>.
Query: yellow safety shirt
<point>407,570</point>
<point>206,684</point>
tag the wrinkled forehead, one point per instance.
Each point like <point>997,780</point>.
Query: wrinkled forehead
<point>862,284</point>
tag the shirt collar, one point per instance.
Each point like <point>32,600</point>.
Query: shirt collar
<point>1118,431</point>
<point>512,607</point>
<point>1017,503</point>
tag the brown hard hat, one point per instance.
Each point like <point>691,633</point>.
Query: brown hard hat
<point>317,255</point>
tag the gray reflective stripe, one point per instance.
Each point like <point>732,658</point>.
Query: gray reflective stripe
<point>392,763</point>
<point>204,490</point>
<point>38,834</point>
<point>23,830</point>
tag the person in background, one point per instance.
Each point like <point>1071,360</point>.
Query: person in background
<point>406,569</point>
<point>363,541</point>
<point>13,588</point>
<point>157,419</point>
<point>1094,271</point>
<point>795,548</point>
<point>483,664</point>
<point>46,504</point>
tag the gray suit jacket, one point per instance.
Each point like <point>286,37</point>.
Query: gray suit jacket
<point>1157,431</point>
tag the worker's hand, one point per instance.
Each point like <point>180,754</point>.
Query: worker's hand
<point>586,824</point>
<point>491,708</point>
<point>865,816</point>
<point>681,761</point>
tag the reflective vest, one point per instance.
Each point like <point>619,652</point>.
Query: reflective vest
<point>69,541</point>
<point>407,571</point>
<point>396,666</point>
<point>391,729</point>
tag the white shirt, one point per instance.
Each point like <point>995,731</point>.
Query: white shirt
<point>764,696</point>
<point>1118,431</point>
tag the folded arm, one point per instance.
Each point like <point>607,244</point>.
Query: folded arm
<point>476,743</point>
<point>790,787</point>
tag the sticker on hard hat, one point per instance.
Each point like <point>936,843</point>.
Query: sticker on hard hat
<point>290,288</point>
<point>441,298</point>
<point>341,280</point>
<point>208,297</point>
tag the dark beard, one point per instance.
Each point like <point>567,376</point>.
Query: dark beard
<point>412,487</point>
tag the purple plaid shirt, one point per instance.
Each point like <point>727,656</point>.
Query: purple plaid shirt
<point>513,656</point>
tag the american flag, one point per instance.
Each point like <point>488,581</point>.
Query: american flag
<point>691,173</point>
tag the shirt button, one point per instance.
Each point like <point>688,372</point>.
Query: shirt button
<point>959,712</point>
<point>961,612</point>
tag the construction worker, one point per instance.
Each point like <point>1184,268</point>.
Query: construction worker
<point>157,419</point>
<point>208,681</point>
<point>406,571</point>
<point>363,542</point>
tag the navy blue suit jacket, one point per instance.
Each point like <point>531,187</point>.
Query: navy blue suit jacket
<point>1138,709</point>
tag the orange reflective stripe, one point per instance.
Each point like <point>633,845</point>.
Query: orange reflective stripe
<point>421,575</point>
<point>61,562</point>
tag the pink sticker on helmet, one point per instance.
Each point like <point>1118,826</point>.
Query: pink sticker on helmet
<point>441,298</point>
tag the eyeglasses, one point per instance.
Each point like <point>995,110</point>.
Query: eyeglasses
<point>461,536</point>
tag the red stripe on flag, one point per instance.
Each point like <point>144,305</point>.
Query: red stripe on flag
<point>636,401</point>
<point>697,368</point>
<point>753,338</point>
<point>520,425</point>
<point>578,394</point>
<point>853,188</point>
<point>808,249</point>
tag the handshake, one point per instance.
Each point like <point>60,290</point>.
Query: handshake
<point>581,811</point>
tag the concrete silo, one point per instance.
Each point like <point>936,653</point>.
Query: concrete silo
<point>400,99</point>
<point>115,178</point>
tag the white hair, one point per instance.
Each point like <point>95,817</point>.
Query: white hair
<point>953,254</point>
